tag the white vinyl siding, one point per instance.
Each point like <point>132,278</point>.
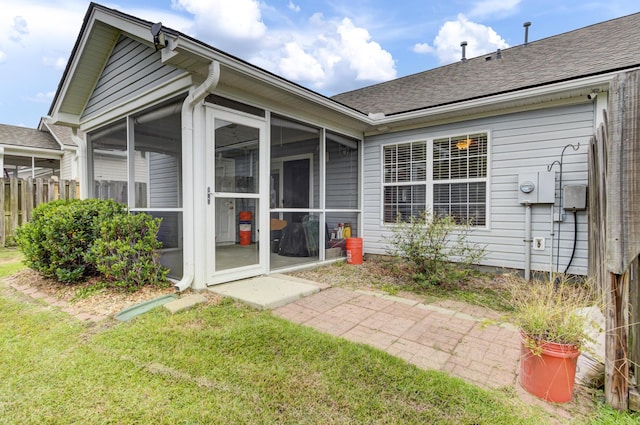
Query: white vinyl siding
<point>68,166</point>
<point>132,68</point>
<point>519,143</point>
<point>164,181</point>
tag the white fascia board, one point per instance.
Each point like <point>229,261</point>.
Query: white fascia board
<point>134,29</point>
<point>97,15</point>
<point>24,151</point>
<point>505,98</point>
<point>62,118</point>
<point>180,43</point>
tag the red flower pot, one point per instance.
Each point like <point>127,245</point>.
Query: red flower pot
<point>551,374</point>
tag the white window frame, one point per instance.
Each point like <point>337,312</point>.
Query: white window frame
<point>429,181</point>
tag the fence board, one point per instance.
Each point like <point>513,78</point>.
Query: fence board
<point>18,197</point>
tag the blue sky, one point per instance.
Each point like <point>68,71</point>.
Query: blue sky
<point>330,46</point>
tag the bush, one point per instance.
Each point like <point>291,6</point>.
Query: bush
<point>61,233</point>
<point>430,243</point>
<point>127,251</point>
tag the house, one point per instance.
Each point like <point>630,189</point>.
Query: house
<point>48,151</point>
<point>253,174</point>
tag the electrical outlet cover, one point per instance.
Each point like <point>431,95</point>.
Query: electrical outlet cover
<point>538,244</point>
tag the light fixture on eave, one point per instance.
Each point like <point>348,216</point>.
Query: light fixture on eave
<point>464,144</point>
<point>159,41</point>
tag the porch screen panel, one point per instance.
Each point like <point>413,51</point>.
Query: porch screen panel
<point>342,172</point>
<point>108,162</point>
<point>158,159</point>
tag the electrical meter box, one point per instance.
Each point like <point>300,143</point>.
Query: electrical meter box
<point>537,188</point>
<point>574,197</point>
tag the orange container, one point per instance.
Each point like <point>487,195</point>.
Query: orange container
<point>245,237</point>
<point>354,250</point>
<point>245,227</point>
<point>550,375</point>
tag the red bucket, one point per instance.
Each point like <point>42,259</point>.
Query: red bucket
<point>354,250</point>
<point>551,374</point>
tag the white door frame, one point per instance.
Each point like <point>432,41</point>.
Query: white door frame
<point>262,197</point>
<point>278,164</point>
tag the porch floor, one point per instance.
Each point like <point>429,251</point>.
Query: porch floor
<point>267,292</point>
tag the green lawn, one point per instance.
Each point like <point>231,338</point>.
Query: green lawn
<point>224,364</point>
<point>221,364</point>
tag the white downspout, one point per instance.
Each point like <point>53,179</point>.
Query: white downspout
<point>195,95</point>
<point>81,154</point>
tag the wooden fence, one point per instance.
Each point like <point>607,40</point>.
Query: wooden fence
<point>18,198</point>
<point>614,239</point>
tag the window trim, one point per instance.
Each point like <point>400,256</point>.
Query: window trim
<point>430,182</point>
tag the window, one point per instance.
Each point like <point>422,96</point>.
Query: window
<point>460,178</point>
<point>457,176</point>
<point>405,176</point>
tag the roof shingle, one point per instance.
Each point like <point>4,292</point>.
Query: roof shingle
<point>592,50</point>
<point>27,137</point>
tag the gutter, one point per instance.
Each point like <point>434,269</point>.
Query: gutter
<point>491,100</point>
<point>193,98</point>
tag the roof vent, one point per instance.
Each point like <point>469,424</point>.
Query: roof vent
<point>526,26</point>
<point>464,51</point>
<point>498,54</point>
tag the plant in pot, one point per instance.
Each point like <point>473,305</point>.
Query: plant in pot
<point>552,331</point>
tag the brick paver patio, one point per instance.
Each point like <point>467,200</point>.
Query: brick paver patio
<point>473,348</point>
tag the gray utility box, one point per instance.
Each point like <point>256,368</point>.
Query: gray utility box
<point>537,188</point>
<point>574,197</point>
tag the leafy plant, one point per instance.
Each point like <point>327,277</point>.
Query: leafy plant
<point>127,252</point>
<point>547,312</point>
<point>55,242</point>
<point>430,244</point>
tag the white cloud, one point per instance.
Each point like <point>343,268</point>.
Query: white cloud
<point>328,55</point>
<point>44,97</point>
<point>366,57</point>
<point>422,48</point>
<point>3,56</point>
<point>56,63</point>
<point>494,8</point>
<point>299,65</point>
<point>294,7</point>
<point>480,39</point>
<point>18,29</point>
<point>229,25</point>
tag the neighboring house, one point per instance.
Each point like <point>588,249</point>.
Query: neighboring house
<point>48,151</point>
<point>222,147</point>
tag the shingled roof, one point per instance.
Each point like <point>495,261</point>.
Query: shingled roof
<point>596,49</point>
<point>63,134</point>
<point>27,137</point>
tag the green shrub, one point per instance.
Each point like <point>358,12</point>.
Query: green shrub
<point>430,244</point>
<point>127,251</point>
<point>61,233</point>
